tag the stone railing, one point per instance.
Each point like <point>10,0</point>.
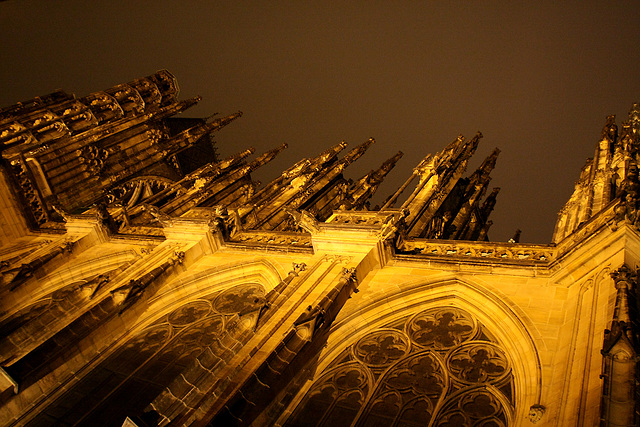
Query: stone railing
<point>353,218</point>
<point>519,252</point>
<point>273,238</point>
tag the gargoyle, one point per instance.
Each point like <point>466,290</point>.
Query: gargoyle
<point>304,220</point>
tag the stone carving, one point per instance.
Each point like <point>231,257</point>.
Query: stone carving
<point>509,251</point>
<point>129,99</point>
<point>455,376</point>
<point>239,298</point>
<point>381,348</point>
<point>90,288</point>
<point>478,363</point>
<point>229,224</point>
<point>274,238</point>
<point>535,413</point>
<point>475,407</point>
<point>360,218</point>
<point>103,106</point>
<point>189,313</point>
<point>297,268</point>
<point>93,158</point>
<point>52,132</point>
<point>443,328</point>
<point>154,136</point>
<point>30,193</point>
<point>133,192</point>
<point>304,220</point>
<point>20,274</point>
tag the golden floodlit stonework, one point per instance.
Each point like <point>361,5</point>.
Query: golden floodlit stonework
<point>146,282</point>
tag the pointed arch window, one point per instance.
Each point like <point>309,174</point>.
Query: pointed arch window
<point>437,367</point>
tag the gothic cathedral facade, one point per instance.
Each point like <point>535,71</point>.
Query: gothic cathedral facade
<point>147,282</point>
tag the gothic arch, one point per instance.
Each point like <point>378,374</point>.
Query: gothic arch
<point>169,338</point>
<point>64,297</point>
<point>212,280</point>
<point>507,325</point>
<point>66,276</point>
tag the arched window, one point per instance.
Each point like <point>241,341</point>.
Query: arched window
<point>437,367</point>
<point>127,381</point>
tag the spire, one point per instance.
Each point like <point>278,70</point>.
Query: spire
<point>482,173</point>
<point>326,156</point>
<point>619,354</point>
<point>356,152</point>
<point>439,176</point>
<point>489,203</point>
<point>475,189</point>
<point>623,278</point>
<point>235,158</point>
<point>472,145</point>
<point>634,116</point>
<point>389,164</point>
<point>189,137</point>
<point>416,172</point>
<point>275,188</point>
<point>610,129</point>
<point>267,157</point>
<point>482,235</point>
<point>328,189</point>
<point>362,190</point>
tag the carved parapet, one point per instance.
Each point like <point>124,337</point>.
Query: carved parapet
<point>542,254</point>
<point>370,219</point>
<point>273,238</point>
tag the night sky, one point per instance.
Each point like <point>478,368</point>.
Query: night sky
<point>537,78</point>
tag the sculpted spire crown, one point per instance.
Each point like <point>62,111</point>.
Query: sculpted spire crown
<point>610,129</point>
<point>268,156</point>
<point>624,279</point>
<point>634,115</point>
<point>357,152</point>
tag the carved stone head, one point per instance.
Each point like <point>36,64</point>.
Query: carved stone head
<point>535,413</point>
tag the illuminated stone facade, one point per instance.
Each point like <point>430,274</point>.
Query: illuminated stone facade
<point>145,285</point>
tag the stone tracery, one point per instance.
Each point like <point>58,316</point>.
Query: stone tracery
<point>437,365</point>
<point>151,359</point>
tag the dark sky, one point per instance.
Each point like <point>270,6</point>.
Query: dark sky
<point>537,78</point>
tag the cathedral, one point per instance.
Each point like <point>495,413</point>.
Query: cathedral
<point>145,281</point>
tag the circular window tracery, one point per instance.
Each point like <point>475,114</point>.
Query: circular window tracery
<point>436,367</point>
